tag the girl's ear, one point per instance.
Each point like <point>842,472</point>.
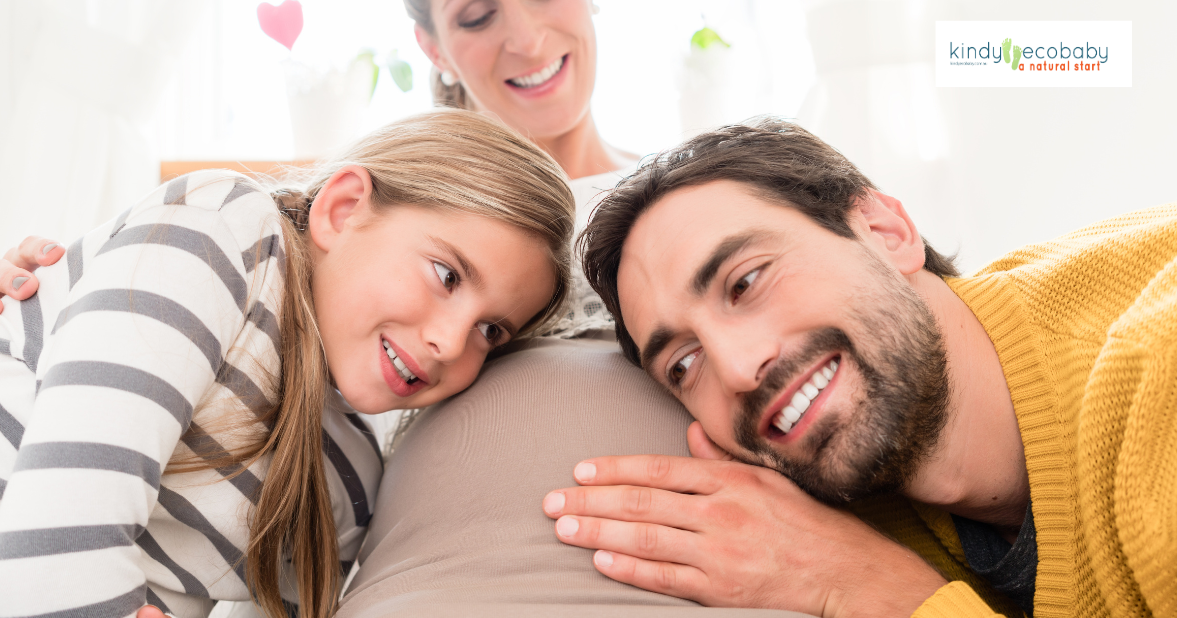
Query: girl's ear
<point>344,199</point>
<point>883,222</point>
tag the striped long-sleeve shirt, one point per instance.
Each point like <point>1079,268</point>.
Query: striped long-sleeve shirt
<point>156,336</point>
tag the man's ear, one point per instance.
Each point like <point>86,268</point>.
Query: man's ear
<point>883,222</point>
<point>428,44</point>
<point>344,197</point>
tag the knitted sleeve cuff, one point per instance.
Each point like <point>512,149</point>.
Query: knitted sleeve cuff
<point>954,600</point>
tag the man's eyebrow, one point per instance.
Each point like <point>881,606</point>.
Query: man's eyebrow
<point>468,269</point>
<point>724,251</point>
<point>654,345</point>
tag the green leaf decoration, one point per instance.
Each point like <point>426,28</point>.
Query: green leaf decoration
<point>367,59</point>
<point>706,37</point>
<point>402,74</point>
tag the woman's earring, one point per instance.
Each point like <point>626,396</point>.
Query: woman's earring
<point>596,9</point>
<point>448,78</point>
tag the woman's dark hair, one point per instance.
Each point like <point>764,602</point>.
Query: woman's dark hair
<point>778,159</point>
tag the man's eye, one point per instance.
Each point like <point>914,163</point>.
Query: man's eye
<point>678,371</point>
<point>490,330</point>
<point>448,277</point>
<point>744,283</point>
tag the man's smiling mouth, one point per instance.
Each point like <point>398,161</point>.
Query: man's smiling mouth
<point>792,413</point>
<point>541,76</point>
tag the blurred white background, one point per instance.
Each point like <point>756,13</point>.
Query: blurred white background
<point>93,93</point>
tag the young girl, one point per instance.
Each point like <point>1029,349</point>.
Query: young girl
<point>176,401</point>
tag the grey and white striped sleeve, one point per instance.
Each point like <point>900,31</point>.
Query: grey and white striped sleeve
<point>143,336</point>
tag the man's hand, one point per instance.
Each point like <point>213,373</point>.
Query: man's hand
<point>723,533</point>
<point>16,269</point>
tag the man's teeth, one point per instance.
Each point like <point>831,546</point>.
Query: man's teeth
<point>540,76</point>
<point>809,391</point>
<point>399,365</point>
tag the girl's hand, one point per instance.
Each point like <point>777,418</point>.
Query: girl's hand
<point>16,269</point>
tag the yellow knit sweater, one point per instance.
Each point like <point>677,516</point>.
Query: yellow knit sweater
<point>1086,330</point>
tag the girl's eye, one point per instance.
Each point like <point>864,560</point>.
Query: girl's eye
<point>490,330</point>
<point>448,277</point>
<point>678,371</point>
<point>744,283</point>
<point>473,24</point>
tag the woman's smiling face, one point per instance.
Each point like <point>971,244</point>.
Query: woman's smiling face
<point>531,62</point>
<point>410,300</point>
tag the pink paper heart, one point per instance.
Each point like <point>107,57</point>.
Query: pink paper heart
<point>283,23</point>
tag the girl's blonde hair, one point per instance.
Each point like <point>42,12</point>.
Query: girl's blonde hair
<point>451,160</point>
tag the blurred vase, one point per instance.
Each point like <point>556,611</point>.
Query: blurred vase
<point>706,88</point>
<point>326,106</point>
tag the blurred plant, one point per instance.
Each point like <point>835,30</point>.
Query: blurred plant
<point>706,37</point>
<point>366,61</point>
<point>401,71</point>
<point>284,22</point>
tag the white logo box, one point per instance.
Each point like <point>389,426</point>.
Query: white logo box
<point>964,54</point>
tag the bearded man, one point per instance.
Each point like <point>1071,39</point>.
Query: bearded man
<point>946,446</point>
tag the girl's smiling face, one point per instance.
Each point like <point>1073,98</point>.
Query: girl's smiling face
<point>530,62</point>
<point>410,300</point>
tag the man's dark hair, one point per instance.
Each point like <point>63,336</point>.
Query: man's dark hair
<point>777,159</point>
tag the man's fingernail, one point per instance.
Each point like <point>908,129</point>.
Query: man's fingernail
<point>49,247</point>
<point>585,471</point>
<point>567,526</point>
<point>554,503</point>
<point>604,559</point>
<point>19,281</point>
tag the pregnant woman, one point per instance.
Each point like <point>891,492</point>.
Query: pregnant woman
<point>459,529</point>
<point>177,400</point>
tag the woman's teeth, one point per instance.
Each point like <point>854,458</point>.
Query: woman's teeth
<point>539,77</point>
<point>788,417</point>
<point>399,365</point>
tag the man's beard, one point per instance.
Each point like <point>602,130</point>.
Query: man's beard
<point>879,445</point>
